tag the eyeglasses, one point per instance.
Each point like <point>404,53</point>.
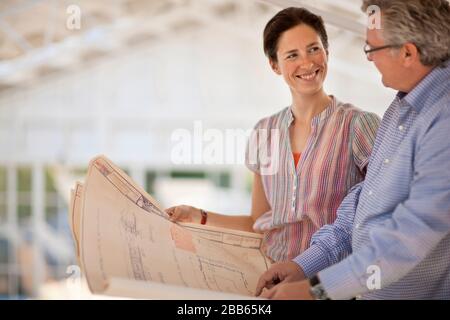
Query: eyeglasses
<point>368,49</point>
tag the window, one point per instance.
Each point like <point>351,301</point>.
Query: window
<point>24,193</point>
<point>3,197</point>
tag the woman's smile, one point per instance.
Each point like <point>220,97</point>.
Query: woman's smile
<point>308,76</point>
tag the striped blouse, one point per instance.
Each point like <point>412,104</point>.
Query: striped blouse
<point>305,197</point>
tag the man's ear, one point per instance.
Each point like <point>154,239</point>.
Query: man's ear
<point>274,66</point>
<point>410,54</point>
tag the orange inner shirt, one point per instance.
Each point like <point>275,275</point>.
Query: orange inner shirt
<point>296,157</point>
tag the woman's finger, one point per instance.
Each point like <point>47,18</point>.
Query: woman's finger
<point>170,210</point>
<point>176,214</point>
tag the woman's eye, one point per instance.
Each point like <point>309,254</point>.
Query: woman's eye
<point>291,56</point>
<point>314,49</point>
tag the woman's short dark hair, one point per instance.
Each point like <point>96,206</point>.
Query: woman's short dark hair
<point>287,19</point>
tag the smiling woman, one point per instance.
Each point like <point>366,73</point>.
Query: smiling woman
<point>319,146</point>
<point>302,60</point>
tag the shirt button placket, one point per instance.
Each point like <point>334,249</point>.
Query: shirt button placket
<point>294,192</point>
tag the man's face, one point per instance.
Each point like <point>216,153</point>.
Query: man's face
<point>387,60</point>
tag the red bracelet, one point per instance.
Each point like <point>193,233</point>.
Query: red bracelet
<point>204,216</point>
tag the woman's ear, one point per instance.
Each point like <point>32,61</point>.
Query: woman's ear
<point>274,66</point>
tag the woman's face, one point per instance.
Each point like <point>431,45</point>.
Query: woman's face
<point>302,60</point>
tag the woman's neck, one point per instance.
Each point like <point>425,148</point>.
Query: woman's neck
<point>306,107</point>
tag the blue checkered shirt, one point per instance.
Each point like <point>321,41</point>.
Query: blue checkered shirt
<point>391,238</point>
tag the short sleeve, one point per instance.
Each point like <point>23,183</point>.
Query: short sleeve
<point>252,152</point>
<point>364,133</point>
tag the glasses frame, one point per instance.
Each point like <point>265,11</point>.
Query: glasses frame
<point>368,51</point>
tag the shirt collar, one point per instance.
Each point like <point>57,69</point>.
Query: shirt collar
<point>319,118</point>
<point>417,97</point>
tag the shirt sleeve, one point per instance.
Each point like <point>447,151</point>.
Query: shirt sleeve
<point>364,133</point>
<point>251,150</point>
<point>331,243</point>
<point>416,226</point>
<point>262,150</point>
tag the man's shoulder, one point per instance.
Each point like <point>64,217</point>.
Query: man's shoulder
<point>351,111</point>
<point>437,105</point>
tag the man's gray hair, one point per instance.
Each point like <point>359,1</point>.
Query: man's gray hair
<point>426,23</point>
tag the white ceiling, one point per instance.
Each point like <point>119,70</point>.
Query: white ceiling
<point>35,41</point>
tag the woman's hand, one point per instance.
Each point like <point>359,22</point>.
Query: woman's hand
<point>184,213</point>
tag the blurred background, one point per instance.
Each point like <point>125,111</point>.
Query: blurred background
<point>124,78</point>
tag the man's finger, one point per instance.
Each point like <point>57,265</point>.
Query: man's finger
<point>262,282</point>
<point>267,280</point>
<point>268,294</point>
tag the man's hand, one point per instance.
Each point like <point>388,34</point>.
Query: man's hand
<point>279,272</point>
<point>298,290</point>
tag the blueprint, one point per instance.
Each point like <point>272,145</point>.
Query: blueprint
<point>125,234</point>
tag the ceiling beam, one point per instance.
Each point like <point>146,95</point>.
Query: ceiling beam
<point>19,8</point>
<point>20,41</point>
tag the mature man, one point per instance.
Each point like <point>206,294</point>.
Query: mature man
<point>391,239</point>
